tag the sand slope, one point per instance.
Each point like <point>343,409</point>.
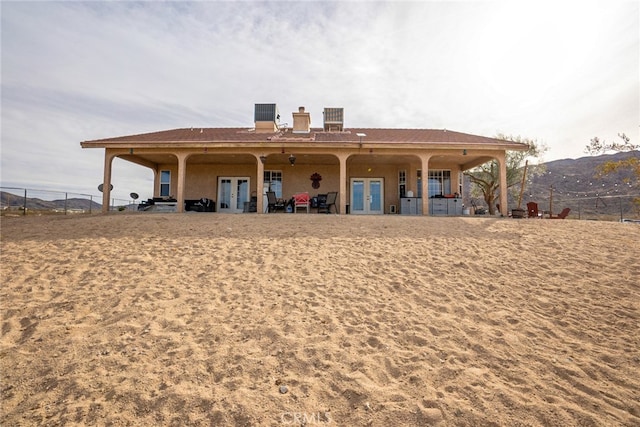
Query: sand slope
<point>270,320</point>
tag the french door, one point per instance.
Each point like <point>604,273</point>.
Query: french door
<point>367,195</point>
<point>233,192</point>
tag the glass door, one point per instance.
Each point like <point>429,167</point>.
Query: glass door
<point>233,192</point>
<point>367,196</point>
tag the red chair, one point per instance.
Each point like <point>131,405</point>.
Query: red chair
<point>301,200</point>
<point>561,215</point>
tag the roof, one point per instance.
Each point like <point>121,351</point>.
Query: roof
<point>240,135</point>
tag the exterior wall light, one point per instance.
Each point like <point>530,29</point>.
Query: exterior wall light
<point>361,135</point>
<point>263,159</point>
<point>292,159</point>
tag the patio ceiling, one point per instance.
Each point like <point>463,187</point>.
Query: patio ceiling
<point>154,159</point>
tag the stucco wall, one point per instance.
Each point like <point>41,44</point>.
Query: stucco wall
<point>202,179</point>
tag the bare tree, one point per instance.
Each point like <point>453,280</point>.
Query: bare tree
<point>597,146</point>
<point>485,179</point>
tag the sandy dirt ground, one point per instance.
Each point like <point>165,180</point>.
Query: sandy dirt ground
<point>201,319</point>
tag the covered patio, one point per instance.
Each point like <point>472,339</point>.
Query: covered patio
<point>194,172</point>
<point>363,165</point>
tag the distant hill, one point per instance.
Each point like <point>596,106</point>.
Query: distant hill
<point>10,200</point>
<point>578,178</point>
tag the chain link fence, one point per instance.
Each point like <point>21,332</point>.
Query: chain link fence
<point>595,208</point>
<point>30,201</point>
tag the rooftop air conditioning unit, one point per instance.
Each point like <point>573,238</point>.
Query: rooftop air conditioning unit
<point>266,117</point>
<point>333,119</point>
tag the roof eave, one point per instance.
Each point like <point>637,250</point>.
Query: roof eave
<point>512,146</point>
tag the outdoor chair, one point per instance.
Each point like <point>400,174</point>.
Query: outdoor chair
<point>325,207</point>
<point>532,209</point>
<point>301,200</point>
<point>273,203</point>
<point>561,215</point>
<point>478,210</point>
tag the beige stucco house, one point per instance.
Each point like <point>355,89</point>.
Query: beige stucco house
<point>374,171</point>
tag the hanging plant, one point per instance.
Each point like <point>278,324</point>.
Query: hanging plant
<point>316,178</point>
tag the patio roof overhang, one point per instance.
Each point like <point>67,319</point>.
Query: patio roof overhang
<point>467,155</point>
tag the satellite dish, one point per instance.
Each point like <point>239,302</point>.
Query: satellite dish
<point>101,187</point>
<point>134,196</point>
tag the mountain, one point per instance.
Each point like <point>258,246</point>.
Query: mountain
<point>579,177</point>
<point>17,201</point>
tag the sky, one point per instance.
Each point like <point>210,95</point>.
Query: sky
<point>558,72</point>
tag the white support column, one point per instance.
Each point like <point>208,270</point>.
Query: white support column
<point>106,181</point>
<point>260,184</point>
<point>182,173</point>
<point>504,209</point>
<point>156,182</point>
<point>425,183</point>
<point>343,182</point>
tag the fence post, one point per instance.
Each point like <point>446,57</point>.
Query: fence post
<point>579,208</point>
<point>90,203</point>
<point>65,203</point>
<point>24,205</point>
<point>620,199</point>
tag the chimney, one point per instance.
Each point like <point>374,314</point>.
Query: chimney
<point>266,118</point>
<point>301,121</point>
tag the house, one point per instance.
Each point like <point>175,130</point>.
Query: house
<point>374,171</point>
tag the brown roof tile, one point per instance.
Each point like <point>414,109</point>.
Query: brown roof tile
<point>373,135</point>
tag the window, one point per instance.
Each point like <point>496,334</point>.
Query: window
<point>402,182</point>
<point>439,182</point>
<point>165,183</point>
<point>274,180</point>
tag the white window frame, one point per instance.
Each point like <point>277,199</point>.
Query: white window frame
<point>402,181</point>
<point>439,174</point>
<point>165,184</point>
<point>274,176</point>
